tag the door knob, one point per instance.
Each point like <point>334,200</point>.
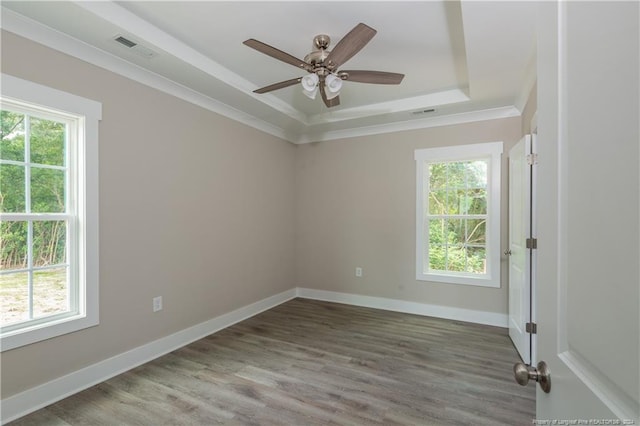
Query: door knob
<point>540,374</point>
<point>507,252</point>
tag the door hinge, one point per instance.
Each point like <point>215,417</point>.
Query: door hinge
<point>532,243</point>
<point>532,159</point>
<point>532,328</point>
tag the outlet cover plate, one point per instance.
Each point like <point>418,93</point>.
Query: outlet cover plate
<point>157,304</point>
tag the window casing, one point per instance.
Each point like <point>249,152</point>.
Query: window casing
<point>49,212</point>
<point>458,214</point>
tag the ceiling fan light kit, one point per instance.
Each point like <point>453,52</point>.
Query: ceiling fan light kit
<point>322,65</point>
<point>311,94</point>
<point>333,84</point>
<point>310,81</point>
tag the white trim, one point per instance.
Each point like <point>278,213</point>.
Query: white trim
<point>447,312</point>
<point>620,403</point>
<point>435,100</point>
<point>32,30</point>
<point>27,91</point>
<point>492,151</point>
<point>48,393</point>
<point>123,18</point>
<point>38,397</point>
<point>411,124</point>
<point>132,23</point>
<point>85,262</point>
<point>534,234</point>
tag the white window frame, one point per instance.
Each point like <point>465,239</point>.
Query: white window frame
<point>85,115</point>
<point>491,151</point>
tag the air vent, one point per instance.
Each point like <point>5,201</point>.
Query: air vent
<point>134,47</point>
<point>125,41</point>
<point>423,111</point>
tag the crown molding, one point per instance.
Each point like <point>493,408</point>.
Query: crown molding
<point>123,18</point>
<point>431,100</point>
<point>35,31</point>
<point>42,34</point>
<point>444,120</point>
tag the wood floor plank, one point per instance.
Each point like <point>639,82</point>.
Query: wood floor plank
<point>308,362</point>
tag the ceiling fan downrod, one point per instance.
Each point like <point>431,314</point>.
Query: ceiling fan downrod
<point>317,57</point>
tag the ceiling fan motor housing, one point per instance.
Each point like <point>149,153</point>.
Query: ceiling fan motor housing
<point>317,57</point>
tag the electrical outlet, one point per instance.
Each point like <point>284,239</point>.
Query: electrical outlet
<point>157,304</point>
<point>358,272</point>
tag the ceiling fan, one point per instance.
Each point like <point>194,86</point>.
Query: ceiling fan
<point>322,65</point>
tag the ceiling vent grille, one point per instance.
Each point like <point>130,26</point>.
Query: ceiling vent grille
<point>423,111</point>
<point>134,47</point>
<point>125,41</point>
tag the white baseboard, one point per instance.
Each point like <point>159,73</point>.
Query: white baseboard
<point>447,312</point>
<point>38,397</point>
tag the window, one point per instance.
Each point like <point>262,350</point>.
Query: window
<point>48,212</point>
<point>458,214</point>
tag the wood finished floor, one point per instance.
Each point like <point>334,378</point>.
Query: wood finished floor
<point>307,362</point>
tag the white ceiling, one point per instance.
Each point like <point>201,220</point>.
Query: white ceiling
<point>468,60</point>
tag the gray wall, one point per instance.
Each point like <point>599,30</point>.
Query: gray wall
<point>529,110</point>
<point>355,206</point>
<point>214,215</point>
<point>193,206</point>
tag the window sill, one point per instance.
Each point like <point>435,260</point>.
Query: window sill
<point>484,281</point>
<point>44,331</point>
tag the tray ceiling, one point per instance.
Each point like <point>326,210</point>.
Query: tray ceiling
<point>464,60</point>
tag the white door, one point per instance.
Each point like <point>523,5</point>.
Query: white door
<point>518,254</point>
<point>588,295</point>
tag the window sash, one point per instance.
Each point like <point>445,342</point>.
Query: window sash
<point>69,217</point>
<point>461,216</point>
<point>72,285</point>
<point>489,152</point>
<point>83,190</point>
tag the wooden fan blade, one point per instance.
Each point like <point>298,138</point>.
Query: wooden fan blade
<point>277,54</point>
<point>328,102</point>
<point>276,86</point>
<point>350,44</point>
<point>373,77</point>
